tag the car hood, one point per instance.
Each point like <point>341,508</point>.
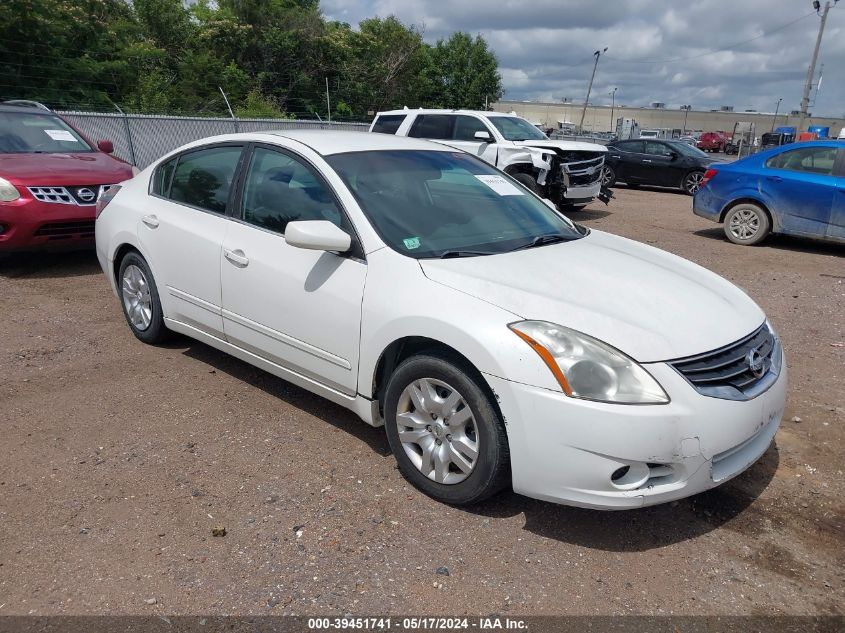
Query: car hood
<point>649,304</point>
<point>94,168</point>
<point>568,146</point>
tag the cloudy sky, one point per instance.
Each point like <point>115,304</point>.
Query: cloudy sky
<point>707,53</point>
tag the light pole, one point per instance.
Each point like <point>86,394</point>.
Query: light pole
<point>612,107</point>
<point>811,71</point>
<point>775,118</point>
<point>686,109</point>
<point>589,88</point>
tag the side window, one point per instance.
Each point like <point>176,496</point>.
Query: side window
<point>467,126</point>
<point>388,123</point>
<point>636,147</point>
<point>657,149</point>
<point>281,189</point>
<point>435,126</point>
<point>204,178</point>
<point>813,160</point>
<point>162,177</point>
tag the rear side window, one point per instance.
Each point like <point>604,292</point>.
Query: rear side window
<point>162,178</point>
<point>435,126</point>
<point>812,160</point>
<point>203,178</point>
<point>388,123</point>
<point>638,147</point>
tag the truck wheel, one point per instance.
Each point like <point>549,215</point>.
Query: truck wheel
<point>530,182</point>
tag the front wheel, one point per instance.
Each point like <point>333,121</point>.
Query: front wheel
<point>140,301</point>
<point>608,176</point>
<point>747,224</point>
<point>445,432</point>
<point>692,182</point>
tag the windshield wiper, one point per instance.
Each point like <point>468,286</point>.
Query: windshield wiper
<point>543,240</point>
<point>451,254</point>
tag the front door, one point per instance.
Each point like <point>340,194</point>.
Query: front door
<point>298,308</point>
<point>182,233</point>
<point>661,165</point>
<point>464,138</point>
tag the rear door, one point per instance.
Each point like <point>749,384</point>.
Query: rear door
<point>434,127</point>
<point>801,184</point>
<point>628,156</point>
<point>183,228</point>
<point>836,228</point>
<point>387,123</point>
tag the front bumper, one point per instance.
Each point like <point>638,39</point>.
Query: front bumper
<point>568,451</point>
<point>29,223</point>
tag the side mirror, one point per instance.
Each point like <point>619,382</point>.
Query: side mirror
<point>483,135</point>
<point>317,235</point>
<point>105,146</point>
<point>673,155</point>
<point>550,204</point>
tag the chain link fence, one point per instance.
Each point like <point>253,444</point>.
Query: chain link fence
<point>140,139</point>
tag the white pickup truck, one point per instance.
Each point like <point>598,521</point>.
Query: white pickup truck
<point>566,172</point>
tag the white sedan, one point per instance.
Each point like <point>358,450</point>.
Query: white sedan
<point>498,343</point>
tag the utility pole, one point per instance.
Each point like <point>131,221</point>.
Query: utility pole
<point>686,109</point>
<point>589,88</point>
<point>328,102</point>
<point>612,108</point>
<point>811,72</point>
<point>775,118</point>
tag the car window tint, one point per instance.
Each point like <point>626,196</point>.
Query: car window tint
<point>388,123</point>
<point>632,146</point>
<point>281,189</point>
<point>204,178</point>
<point>657,149</point>
<point>467,126</point>
<point>436,126</point>
<point>163,176</point>
<point>36,132</point>
<point>813,160</point>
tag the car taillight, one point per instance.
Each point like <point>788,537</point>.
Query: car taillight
<point>106,197</point>
<point>708,176</point>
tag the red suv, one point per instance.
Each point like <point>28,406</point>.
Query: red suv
<point>50,178</point>
<point>712,142</point>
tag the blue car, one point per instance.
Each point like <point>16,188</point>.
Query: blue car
<point>796,189</point>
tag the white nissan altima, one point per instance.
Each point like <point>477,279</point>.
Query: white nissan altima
<point>499,343</point>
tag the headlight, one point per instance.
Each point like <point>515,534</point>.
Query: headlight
<point>587,368</point>
<point>8,192</point>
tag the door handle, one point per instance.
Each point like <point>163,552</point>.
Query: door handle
<point>646,160</point>
<point>615,156</point>
<point>774,178</point>
<point>151,221</point>
<point>237,257</point>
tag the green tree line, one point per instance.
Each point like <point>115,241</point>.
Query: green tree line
<point>272,58</point>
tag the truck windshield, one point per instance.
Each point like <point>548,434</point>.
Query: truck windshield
<point>427,204</point>
<point>515,129</point>
<point>25,133</point>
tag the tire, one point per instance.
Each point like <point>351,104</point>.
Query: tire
<point>608,176</point>
<point>529,181</point>
<point>139,300</point>
<point>424,422</point>
<point>747,224</point>
<point>692,182</point>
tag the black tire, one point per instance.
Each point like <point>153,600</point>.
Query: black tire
<point>692,182</point>
<point>156,331</point>
<point>491,469</point>
<point>608,176</point>
<point>529,181</point>
<point>747,217</point>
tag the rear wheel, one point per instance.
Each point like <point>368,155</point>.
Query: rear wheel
<point>447,436</point>
<point>140,301</point>
<point>747,224</point>
<point>692,182</point>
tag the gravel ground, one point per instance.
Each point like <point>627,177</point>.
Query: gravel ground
<point>119,459</point>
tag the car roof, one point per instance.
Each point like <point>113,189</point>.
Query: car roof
<point>16,109</point>
<point>327,142</point>
<point>446,111</point>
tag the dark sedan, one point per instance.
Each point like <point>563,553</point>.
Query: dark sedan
<point>655,162</point>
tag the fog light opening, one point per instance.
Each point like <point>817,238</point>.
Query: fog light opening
<point>630,476</point>
<point>619,473</point>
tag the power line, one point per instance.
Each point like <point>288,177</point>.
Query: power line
<point>717,50</point>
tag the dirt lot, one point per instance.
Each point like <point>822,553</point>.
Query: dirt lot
<point>118,459</point>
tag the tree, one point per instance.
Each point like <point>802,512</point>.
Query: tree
<point>463,73</point>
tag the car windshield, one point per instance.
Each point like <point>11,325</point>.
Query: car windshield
<point>27,133</point>
<point>428,204</point>
<point>516,129</point>
<point>689,150</point>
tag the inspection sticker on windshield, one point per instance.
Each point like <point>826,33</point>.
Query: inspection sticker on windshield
<point>411,243</point>
<point>61,135</point>
<point>500,185</point>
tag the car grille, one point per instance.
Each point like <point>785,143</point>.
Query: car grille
<point>66,230</point>
<point>80,195</point>
<point>727,372</point>
<point>583,172</point>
